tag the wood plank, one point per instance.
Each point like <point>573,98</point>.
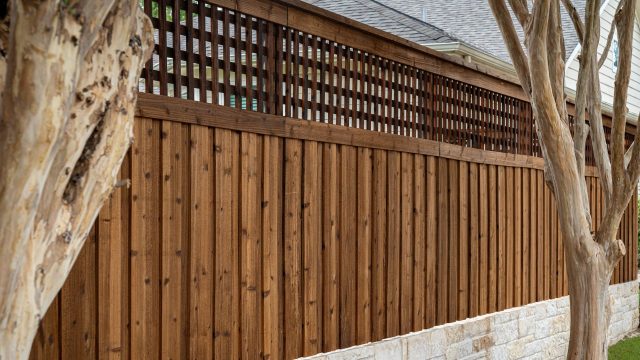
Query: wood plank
<point>312,248</point>
<point>526,221</point>
<point>227,285</point>
<point>443,242</point>
<point>112,279</point>
<point>547,241</point>
<point>475,274</point>
<point>419,293</point>
<point>174,238</point>
<point>493,239</point>
<point>393,243</point>
<point>78,304</point>
<point>502,238</point>
<point>348,201</point>
<point>464,246</point>
<point>533,238</point>
<point>432,285</point>
<point>379,245</point>
<point>145,240</point>
<point>518,248</point>
<point>234,119</point>
<point>509,253</point>
<point>251,244</point>
<point>202,232</point>
<point>46,344</point>
<point>553,246</point>
<point>293,317</point>
<point>331,248</point>
<point>484,236</point>
<point>363,318</point>
<point>406,244</point>
<point>540,221</point>
<point>454,239</point>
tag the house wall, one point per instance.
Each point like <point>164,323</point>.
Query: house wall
<point>534,331</point>
<point>607,72</point>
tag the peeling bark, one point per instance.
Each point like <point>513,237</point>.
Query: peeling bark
<point>68,80</point>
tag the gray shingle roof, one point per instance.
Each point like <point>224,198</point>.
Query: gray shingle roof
<point>467,21</point>
<point>385,18</point>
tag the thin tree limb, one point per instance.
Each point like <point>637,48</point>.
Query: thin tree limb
<point>503,18</point>
<point>519,8</point>
<point>612,31</point>
<point>575,18</point>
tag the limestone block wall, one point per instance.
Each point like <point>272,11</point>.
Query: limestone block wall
<point>535,331</point>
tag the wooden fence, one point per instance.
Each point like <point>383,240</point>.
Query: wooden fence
<point>249,233</point>
<point>294,237</point>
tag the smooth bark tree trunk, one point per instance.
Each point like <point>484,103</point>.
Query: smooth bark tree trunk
<point>589,299</point>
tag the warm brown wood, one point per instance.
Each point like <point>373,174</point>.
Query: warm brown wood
<point>227,267</point>
<point>175,236</point>
<point>331,247</point>
<point>349,183</point>
<point>78,304</point>
<point>420,245</point>
<point>443,244</point>
<point>250,252</point>
<point>145,247</point>
<point>431,285</point>
<point>312,248</point>
<point>379,246</point>
<point>201,250</point>
<point>348,243</point>
<point>363,247</point>
<point>406,243</point>
<point>394,231</point>
<point>293,272</point>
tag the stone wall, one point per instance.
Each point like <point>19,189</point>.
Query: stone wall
<point>534,331</point>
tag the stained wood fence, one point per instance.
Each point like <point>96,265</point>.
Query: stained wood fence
<point>275,243</point>
<point>249,233</point>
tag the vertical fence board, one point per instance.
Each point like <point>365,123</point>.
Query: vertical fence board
<point>393,243</point>
<point>78,304</point>
<point>293,319</point>
<point>331,248</point>
<point>227,284</point>
<point>463,249</point>
<point>145,240</point>
<point>202,255</point>
<point>432,286</point>
<point>420,244</point>
<point>175,238</point>
<point>251,244</point>
<point>348,236</point>
<point>406,244</point>
<point>443,243</point>
<point>379,246</point>
<point>363,318</point>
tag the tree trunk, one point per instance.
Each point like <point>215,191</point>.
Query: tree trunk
<point>589,298</point>
<point>69,73</point>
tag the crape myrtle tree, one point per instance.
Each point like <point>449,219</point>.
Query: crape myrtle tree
<point>69,74</point>
<point>539,62</point>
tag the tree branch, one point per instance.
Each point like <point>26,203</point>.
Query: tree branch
<point>503,18</point>
<point>605,52</point>
<point>575,18</point>
<point>519,7</point>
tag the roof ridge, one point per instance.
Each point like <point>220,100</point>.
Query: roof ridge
<point>446,33</point>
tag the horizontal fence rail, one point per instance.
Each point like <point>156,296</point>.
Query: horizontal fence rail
<point>208,53</point>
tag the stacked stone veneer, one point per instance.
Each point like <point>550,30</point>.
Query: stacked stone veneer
<point>535,331</point>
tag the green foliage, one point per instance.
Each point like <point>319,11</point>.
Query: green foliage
<point>155,10</point>
<point>627,349</point>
